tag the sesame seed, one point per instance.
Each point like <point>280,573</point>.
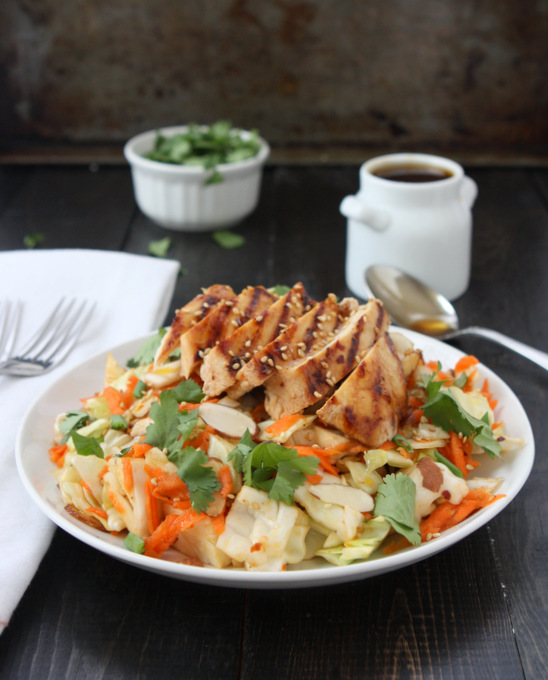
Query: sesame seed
<point>428,537</point>
<point>270,362</point>
<point>284,356</point>
<point>283,349</point>
<point>248,343</point>
<point>324,364</point>
<point>264,360</point>
<point>235,366</point>
<point>259,318</point>
<point>317,394</point>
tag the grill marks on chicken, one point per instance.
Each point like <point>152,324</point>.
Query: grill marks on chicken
<point>303,336</point>
<point>369,404</point>
<point>189,315</point>
<point>303,353</point>
<point>220,323</point>
<point>224,361</point>
<point>306,381</point>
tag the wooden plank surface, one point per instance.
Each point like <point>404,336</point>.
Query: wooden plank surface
<point>477,610</point>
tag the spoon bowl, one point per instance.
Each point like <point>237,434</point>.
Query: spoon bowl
<point>413,305</point>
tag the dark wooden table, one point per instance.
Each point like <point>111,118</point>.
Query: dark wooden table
<point>477,610</point>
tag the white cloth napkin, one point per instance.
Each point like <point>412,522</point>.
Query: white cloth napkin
<point>133,294</point>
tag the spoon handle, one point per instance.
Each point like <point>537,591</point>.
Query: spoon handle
<point>536,355</point>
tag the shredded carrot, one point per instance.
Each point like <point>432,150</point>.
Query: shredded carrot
<point>151,507</point>
<point>139,449</point>
<point>455,452</point>
<point>324,455</point>
<point>115,502</point>
<point>201,441</point>
<point>488,394</point>
<point>314,479</point>
<point>57,454</point>
<point>448,515</point>
<point>85,486</point>
<point>396,545</point>
<point>225,478</point>
<point>466,362</point>
<point>218,523</point>
<point>388,445</point>
<point>283,424</point>
<point>97,511</point>
<point>127,394</point>
<point>167,532</point>
<point>127,473</point>
<point>114,400</point>
<point>103,471</point>
<point>168,488</point>
<point>415,402</point>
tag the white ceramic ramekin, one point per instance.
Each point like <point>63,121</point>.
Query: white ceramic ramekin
<point>177,197</point>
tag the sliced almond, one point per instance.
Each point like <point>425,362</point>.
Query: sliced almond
<point>343,495</point>
<point>227,420</point>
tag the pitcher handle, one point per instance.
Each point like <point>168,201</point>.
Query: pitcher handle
<point>354,209</point>
<point>469,191</point>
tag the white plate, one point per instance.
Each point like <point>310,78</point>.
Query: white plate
<point>35,438</point>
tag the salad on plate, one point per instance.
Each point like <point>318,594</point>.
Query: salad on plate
<point>263,430</point>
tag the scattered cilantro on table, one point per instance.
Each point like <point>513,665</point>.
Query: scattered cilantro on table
<point>33,240</point>
<point>160,247</point>
<point>228,239</point>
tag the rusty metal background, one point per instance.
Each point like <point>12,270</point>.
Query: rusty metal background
<point>432,74</point>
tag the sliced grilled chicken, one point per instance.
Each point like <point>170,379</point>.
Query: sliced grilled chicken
<point>186,317</point>
<point>220,324</point>
<point>370,402</point>
<point>222,363</point>
<point>308,380</point>
<point>301,337</point>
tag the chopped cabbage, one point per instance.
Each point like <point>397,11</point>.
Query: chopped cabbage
<point>263,534</point>
<point>371,536</point>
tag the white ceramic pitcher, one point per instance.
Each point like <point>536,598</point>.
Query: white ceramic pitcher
<point>422,227</point>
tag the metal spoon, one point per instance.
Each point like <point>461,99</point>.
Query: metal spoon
<point>413,305</point>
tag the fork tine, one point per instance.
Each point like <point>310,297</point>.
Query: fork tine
<point>74,326</point>
<point>10,316</point>
<point>42,335</point>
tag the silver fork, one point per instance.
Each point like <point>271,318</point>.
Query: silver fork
<point>10,315</point>
<point>52,341</point>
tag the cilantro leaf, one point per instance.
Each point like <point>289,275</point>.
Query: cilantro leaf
<point>188,391</point>
<point>272,467</point>
<point>145,353</point>
<point>86,446</point>
<point>395,501</point>
<point>187,422</point>
<point>442,409</point>
<point>33,240</point>
<point>280,289</point>
<point>73,420</point>
<point>199,478</point>
<point>240,452</point>
<point>228,239</point>
<point>164,432</point>
<point>160,247</point>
